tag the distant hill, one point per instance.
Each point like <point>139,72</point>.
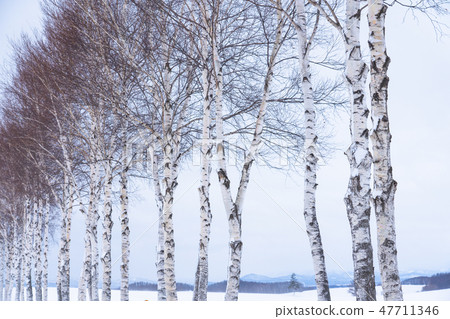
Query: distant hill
<point>254,283</point>
<point>340,279</point>
<point>257,287</point>
<point>438,281</point>
<point>434,282</point>
<point>150,286</point>
<point>421,280</point>
<point>245,287</point>
<point>336,280</point>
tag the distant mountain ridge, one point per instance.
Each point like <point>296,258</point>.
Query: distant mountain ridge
<point>140,285</point>
<point>335,279</point>
<point>244,287</point>
<point>254,283</point>
<point>259,287</point>
<point>435,282</point>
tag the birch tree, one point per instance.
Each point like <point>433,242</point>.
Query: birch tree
<point>2,266</point>
<point>89,268</point>
<point>311,152</point>
<point>201,275</point>
<point>18,253</point>
<point>7,235</point>
<point>28,250</point>
<point>357,198</point>
<point>384,185</point>
<point>28,126</point>
<point>164,77</point>
<point>156,164</point>
<point>234,206</point>
<point>45,251</point>
<point>37,249</point>
<point>124,219</point>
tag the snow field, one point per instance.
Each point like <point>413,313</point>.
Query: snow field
<point>410,292</point>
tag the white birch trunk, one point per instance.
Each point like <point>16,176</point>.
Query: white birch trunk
<point>38,251</point>
<point>2,267</point>
<point>28,250</point>
<point>357,198</point>
<point>86,267</point>
<point>66,294</point>
<point>311,157</point>
<point>22,281</point>
<point>107,218</point>
<point>85,281</point>
<point>17,259</point>
<point>169,242</point>
<point>59,263</point>
<point>95,216</point>
<point>161,285</point>
<point>64,271</point>
<point>93,283</point>
<point>234,221</point>
<point>107,230</point>
<point>124,220</point>
<point>169,185</point>
<point>45,260</point>
<point>233,208</point>
<point>62,246</point>
<point>201,275</point>
<point>384,185</point>
<point>8,265</point>
<point>11,264</point>
<point>162,296</point>
<point>63,276</point>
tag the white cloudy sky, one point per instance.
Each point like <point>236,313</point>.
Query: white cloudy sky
<point>274,240</point>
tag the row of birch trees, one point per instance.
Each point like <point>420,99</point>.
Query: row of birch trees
<point>113,90</point>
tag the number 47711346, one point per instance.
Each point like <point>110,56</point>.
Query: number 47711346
<point>409,310</point>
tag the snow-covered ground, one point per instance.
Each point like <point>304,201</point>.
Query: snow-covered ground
<point>411,293</point>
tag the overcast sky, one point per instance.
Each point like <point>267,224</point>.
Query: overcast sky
<point>275,242</point>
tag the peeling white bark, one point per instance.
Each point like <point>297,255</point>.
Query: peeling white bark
<point>169,243</point>
<point>233,208</point>
<point>107,231</point>
<point>384,186</point>
<point>22,268</point>
<point>8,264</point>
<point>38,250</point>
<point>124,220</point>
<point>28,250</point>
<point>162,296</point>
<point>169,184</point>
<point>357,198</point>
<point>234,222</point>
<point>86,267</point>
<point>63,287</point>
<point>66,262</point>
<point>95,259</point>
<point>17,258</point>
<point>85,277</point>
<point>45,252</point>
<point>85,281</point>
<point>311,156</point>
<point>161,285</point>
<point>2,266</point>
<point>201,275</point>
<point>63,275</point>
